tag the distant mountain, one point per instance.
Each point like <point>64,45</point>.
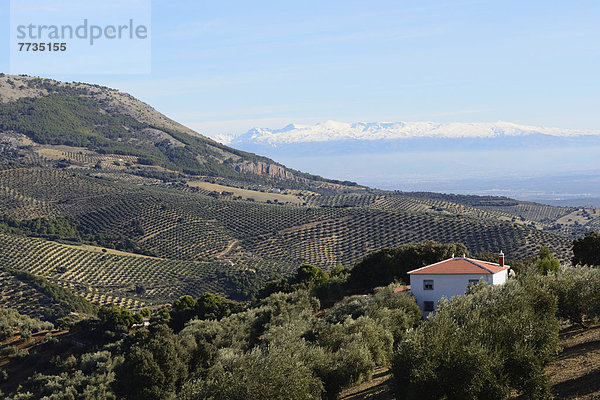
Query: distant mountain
<point>331,131</point>
<point>527,162</point>
<point>333,137</point>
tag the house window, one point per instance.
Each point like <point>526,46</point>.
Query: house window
<point>473,281</point>
<point>428,284</point>
<point>428,306</point>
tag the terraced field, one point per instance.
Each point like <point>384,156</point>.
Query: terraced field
<point>419,204</point>
<point>355,233</point>
<point>82,155</point>
<point>130,178</point>
<point>198,239</point>
<point>23,297</point>
<point>191,227</point>
<point>109,278</point>
<point>31,192</point>
<point>533,211</point>
<point>342,200</point>
<point>415,204</point>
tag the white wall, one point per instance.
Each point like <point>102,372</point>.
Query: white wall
<point>446,285</point>
<point>501,277</point>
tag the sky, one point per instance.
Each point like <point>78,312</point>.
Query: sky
<point>225,67</point>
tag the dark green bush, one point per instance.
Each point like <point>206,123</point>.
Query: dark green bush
<point>481,346</point>
<point>388,265</point>
<point>586,250</point>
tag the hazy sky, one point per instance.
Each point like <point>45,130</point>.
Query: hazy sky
<point>227,66</point>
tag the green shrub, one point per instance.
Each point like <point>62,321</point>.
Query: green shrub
<point>89,383</point>
<point>3,376</point>
<point>208,306</point>
<point>115,317</point>
<point>388,265</point>
<point>269,374</point>
<point>481,346</point>
<point>10,320</point>
<point>153,366</point>
<point>8,350</point>
<point>546,262</point>
<point>350,365</point>
<point>6,330</point>
<point>586,250</point>
<point>396,312</point>
<point>577,290</point>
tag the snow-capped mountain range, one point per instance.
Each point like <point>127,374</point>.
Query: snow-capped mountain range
<point>332,131</point>
<point>525,161</point>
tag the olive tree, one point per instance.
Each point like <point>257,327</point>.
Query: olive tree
<point>481,345</point>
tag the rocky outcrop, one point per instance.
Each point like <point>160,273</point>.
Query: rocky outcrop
<point>262,168</point>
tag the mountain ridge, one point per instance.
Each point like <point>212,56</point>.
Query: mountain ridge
<point>333,131</point>
<point>40,111</point>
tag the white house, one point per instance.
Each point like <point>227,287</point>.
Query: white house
<point>451,277</point>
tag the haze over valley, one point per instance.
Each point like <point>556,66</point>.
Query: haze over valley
<point>524,162</point>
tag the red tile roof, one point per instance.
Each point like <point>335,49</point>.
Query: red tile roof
<point>402,289</point>
<point>460,265</point>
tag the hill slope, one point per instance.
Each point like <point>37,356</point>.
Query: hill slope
<point>36,112</point>
<point>107,176</point>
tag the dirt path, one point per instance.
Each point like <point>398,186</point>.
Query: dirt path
<point>228,248</point>
<point>576,372</point>
<point>377,388</point>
